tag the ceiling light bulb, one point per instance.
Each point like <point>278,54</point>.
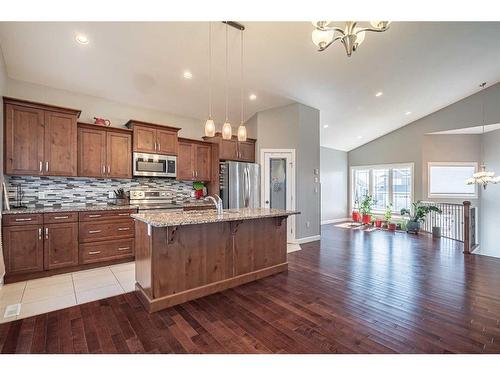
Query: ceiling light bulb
<point>380,93</point>
<point>227,131</point>
<point>209,128</point>
<point>360,136</point>
<point>325,126</point>
<point>360,37</point>
<point>322,37</point>
<point>380,24</point>
<point>82,39</point>
<point>408,113</point>
<point>188,75</point>
<point>321,24</point>
<point>242,133</point>
<point>252,97</point>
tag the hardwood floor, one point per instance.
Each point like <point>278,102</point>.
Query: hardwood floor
<point>355,292</point>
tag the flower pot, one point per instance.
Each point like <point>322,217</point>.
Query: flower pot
<point>392,226</point>
<point>356,217</point>
<point>412,227</point>
<point>198,194</point>
<point>367,219</point>
<point>378,223</point>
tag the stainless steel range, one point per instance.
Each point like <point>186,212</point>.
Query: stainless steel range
<point>154,200</point>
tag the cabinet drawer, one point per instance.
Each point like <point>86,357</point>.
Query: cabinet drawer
<point>106,250</point>
<point>104,230</point>
<point>21,219</point>
<point>105,215</point>
<point>60,217</point>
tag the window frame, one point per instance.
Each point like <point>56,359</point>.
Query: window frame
<point>390,167</point>
<point>450,164</point>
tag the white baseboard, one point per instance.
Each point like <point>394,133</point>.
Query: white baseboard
<point>333,221</point>
<point>308,239</point>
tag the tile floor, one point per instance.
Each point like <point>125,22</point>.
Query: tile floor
<point>57,292</point>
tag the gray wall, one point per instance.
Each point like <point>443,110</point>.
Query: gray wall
<point>406,144</point>
<point>490,199</point>
<point>295,126</point>
<point>334,182</point>
<point>3,90</point>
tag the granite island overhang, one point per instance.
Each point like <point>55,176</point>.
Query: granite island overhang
<point>181,256</point>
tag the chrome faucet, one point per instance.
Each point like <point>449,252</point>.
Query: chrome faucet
<point>218,203</point>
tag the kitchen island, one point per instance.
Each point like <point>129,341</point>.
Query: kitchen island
<point>181,256</point>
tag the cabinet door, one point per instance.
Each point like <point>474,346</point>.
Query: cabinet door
<point>91,152</point>
<point>203,162</point>
<point>144,139</point>
<point>119,155</point>
<point>228,149</point>
<point>23,140</point>
<point>167,142</point>
<point>60,144</point>
<point>246,151</point>
<point>185,163</point>
<point>23,248</point>
<point>61,245</point>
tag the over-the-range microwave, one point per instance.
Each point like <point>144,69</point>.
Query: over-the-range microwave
<point>154,165</point>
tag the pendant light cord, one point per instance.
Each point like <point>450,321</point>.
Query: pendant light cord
<point>241,83</point>
<point>227,78</point>
<point>210,70</point>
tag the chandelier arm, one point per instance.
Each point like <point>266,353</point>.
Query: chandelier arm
<point>329,44</point>
<point>371,29</point>
<point>328,28</point>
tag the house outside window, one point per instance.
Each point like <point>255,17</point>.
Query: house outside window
<point>389,184</point>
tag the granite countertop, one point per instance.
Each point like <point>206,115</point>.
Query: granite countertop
<point>165,219</point>
<point>43,210</point>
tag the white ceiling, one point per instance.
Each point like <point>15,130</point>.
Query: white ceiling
<point>420,67</point>
<point>471,130</point>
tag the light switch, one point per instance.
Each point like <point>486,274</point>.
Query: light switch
<point>316,171</point>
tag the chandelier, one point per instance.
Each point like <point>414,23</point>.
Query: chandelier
<point>351,36</point>
<point>483,177</point>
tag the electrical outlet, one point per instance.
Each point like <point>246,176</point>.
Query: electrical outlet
<point>111,194</point>
<point>308,224</point>
<point>41,195</point>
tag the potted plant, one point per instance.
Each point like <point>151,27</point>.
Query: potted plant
<point>388,217</point>
<point>417,215</point>
<point>355,213</point>
<point>198,189</point>
<point>365,209</point>
<point>378,222</point>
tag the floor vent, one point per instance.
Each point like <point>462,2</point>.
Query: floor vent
<point>12,310</point>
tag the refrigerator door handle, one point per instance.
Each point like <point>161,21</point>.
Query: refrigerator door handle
<point>247,187</point>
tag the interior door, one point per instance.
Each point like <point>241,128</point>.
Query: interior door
<point>60,144</point>
<point>119,154</point>
<point>91,152</point>
<point>279,185</point>
<point>144,139</point>
<point>23,140</point>
<point>60,245</point>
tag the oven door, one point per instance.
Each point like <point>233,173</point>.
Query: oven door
<point>153,165</point>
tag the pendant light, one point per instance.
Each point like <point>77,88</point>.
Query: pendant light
<point>209,125</point>
<point>483,177</point>
<point>242,130</point>
<point>227,131</point>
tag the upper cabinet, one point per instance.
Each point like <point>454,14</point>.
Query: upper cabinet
<point>154,138</point>
<point>232,149</point>
<point>194,160</point>
<point>39,139</point>
<point>104,152</point>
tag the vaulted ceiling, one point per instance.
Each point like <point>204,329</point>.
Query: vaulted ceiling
<point>419,67</point>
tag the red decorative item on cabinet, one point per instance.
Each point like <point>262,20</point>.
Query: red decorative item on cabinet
<point>102,121</point>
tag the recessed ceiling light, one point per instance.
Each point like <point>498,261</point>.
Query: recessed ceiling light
<point>252,97</point>
<point>380,93</point>
<point>360,136</point>
<point>325,126</point>
<point>408,113</point>
<point>82,39</point>
<point>187,74</point>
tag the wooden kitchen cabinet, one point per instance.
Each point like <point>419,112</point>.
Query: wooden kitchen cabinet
<point>104,152</point>
<point>23,248</point>
<point>232,149</point>
<point>154,138</point>
<point>193,160</point>
<point>40,139</point>
<point>60,245</point>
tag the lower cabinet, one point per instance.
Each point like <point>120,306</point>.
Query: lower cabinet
<point>60,245</point>
<point>23,248</point>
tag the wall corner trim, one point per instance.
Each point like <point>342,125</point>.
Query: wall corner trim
<point>308,239</point>
<point>333,221</point>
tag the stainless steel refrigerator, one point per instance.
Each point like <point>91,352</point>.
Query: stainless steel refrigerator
<point>239,184</point>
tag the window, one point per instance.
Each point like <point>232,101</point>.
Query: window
<point>447,180</point>
<point>390,184</point>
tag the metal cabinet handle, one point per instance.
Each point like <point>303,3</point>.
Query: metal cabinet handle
<point>103,169</point>
<point>41,167</point>
<point>123,248</point>
<point>95,215</point>
<point>94,252</point>
<point>155,146</point>
<point>46,233</point>
<point>25,219</point>
<point>109,169</point>
<point>39,233</point>
<point>159,146</point>
<point>60,217</point>
<point>126,214</point>
<point>196,174</point>
<point>46,166</point>
<point>95,231</point>
<point>122,229</point>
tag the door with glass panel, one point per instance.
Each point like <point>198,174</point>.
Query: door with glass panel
<point>279,184</point>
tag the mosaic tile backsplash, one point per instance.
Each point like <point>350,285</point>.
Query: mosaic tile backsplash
<point>44,191</point>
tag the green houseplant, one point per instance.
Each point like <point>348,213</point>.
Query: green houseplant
<point>365,208</point>
<point>417,215</point>
<point>388,217</point>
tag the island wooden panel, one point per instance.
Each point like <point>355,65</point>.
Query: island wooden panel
<point>179,263</point>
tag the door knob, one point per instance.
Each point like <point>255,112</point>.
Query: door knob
<point>267,202</point>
